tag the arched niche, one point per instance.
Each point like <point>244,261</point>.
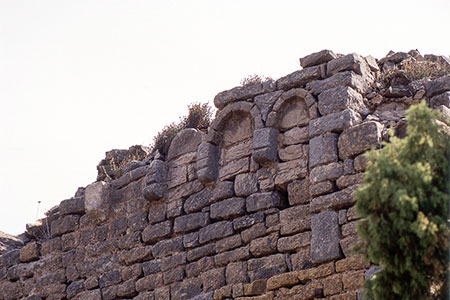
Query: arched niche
<point>294,113</point>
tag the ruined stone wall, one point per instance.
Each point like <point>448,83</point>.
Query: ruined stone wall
<point>259,207</point>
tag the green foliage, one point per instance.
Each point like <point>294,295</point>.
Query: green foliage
<point>404,200</point>
<point>198,117</point>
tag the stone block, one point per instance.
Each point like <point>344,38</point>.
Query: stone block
<point>239,93</point>
<point>266,267</point>
<point>293,152</point>
<point>236,272</point>
<point>335,200</point>
<point>294,242</point>
<point>298,192</point>
<point>239,254</point>
<point>157,172</point>
<point>334,122</point>
<point>64,224</point>
<point>72,206</point>
<point>331,171</point>
<point>213,279</point>
<point>185,290</point>
<point>151,267</point>
<point>359,138</point>
<point>199,252</point>
<point>372,63</point>
<point>127,289</point>
<point>51,246</point>
<point>317,58</point>
<point>176,176</point>
<point>298,78</point>
<point>354,262</point>
<point>340,98</point>
<point>438,86</point>
<point>262,201</point>
<point>282,280</point>
<point>221,190</point>
<point>168,247</point>
<point>317,272</point>
<point>173,275</point>
<point>136,255</point>
<point>441,99</point>
<point>264,245</point>
<point>74,288</point>
<point>95,203</point>
<point>156,232</point>
<point>132,272</point>
<point>237,151</point>
<point>149,282</point>
<point>190,222</point>
<point>289,171</point>
<point>265,143</point>
<point>245,184</point>
<point>234,168</point>
<point>228,208</point>
<point>248,220</point>
<point>228,243</point>
<point>137,222</point>
<point>353,280</point>
<point>29,252</point>
<point>110,279</point>
<point>323,149</point>
<point>196,268</point>
<point>265,102</point>
<point>295,135</point>
<point>349,180</point>
<point>190,240</point>
<point>321,188</point>
<point>347,78</point>
<point>295,219</point>
<point>349,62</point>
<point>215,231</point>
<point>185,141</point>
<point>207,164</point>
<point>325,237</point>
<point>253,232</point>
<point>173,261</point>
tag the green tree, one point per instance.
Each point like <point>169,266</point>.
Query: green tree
<point>404,203</point>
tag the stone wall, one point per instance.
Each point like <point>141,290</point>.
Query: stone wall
<point>259,207</point>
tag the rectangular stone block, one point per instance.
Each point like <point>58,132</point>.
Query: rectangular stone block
<point>262,201</point>
<point>331,171</point>
<point>228,208</point>
<point>293,152</point>
<point>168,247</point>
<point>199,252</point>
<point>349,62</point>
<point>64,224</point>
<point>347,78</point>
<point>298,78</point>
<point>190,222</point>
<point>340,98</point>
<point>245,184</point>
<point>323,149</point>
<point>325,237</point>
<point>359,138</point>
<point>289,171</point>
<point>317,58</point>
<point>156,232</point>
<point>334,122</point>
<point>317,272</point>
<point>266,267</point>
<point>295,242</point>
<point>233,168</point>
<point>215,231</point>
<point>335,200</point>
<point>296,135</point>
<point>72,206</point>
<point>239,254</point>
<point>295,219</point>
<point>228,243</point>
<point>298,192</point>
<point>248,220</point>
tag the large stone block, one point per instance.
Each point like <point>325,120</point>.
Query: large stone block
<point>293,152</point>
<point>438,86</point>
<point>94,201</point>
<point>168,247</point>
<point>29,252</point>
<point>325,237</point>
<point>265,143</point>
<point>65,224</point>
<point>295,135</point>
<point>245,184</point>
<point>335,200</point>
<point>72,206</point>
<point>359,138</point>
<point>190,222</point>
<point>323,149</point>
<point>234,168</point>
<point>298,192</point>
<point>294,242</point>
<point>156,232</point>
<point>298,78</point>
<point>262,201</point>
<point>441,99</point>
<point>317,58</point>
<point>350,62</point>
<point>248,220</point>
<point>207,164</point>
<point>221,190</point>
<point>340,98</point>
<point>228,208</point>
<point>266,267</point>
<point>295,219</point>
<point>215,231</point>
<point>265,102</point>
<point>184,142</point>
<point>334,122</point>
<point>241,93</point>
<point>331,171</point>
<point>347,78</point>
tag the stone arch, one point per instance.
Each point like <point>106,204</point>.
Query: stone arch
<point>291,110</point>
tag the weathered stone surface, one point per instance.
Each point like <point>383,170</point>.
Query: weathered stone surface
<point>173,261</point>
<point>237,151</point>
<point>239,254</point>
<point>157,172</point>
<point>156,232</point>
<point>293,152</point>
<point>228,243</point>
<point>29,252</point>
<point>282,280</point>
<point>194,269</point>
<point>184,142</point>
<point>298,192</point>
<point>245,184</point>
<point>265,102</point>
<point>149,282</point>
<point>323,149</point>
<point>168,247</point>
<point>326,172</point>
<point>265,142</point>
<point>240,93</point>
<point>295,242</point>
<point>154,191</point>
<point>221,190</point>
<point>264,245</point>
<point>65,224</point>
<point>295,219</point>
<point>347,78</point>
<point>317,58</point>
<point>325,237</point>
<point>137,222</point>
<point>176,176</point>
<point>248,220</point>
<point>372,63</point>
<point>199,252</point>
<point>438,86</point>
<point>289,171</point>
<point>295,135</point>
<point>441,99</point>
<point>294,113</point>
<point>94,202</point>
<point>186,289</point>
<point>348,180</point>
<point>190,222</point>
<point>72,206</point>
<point>359,138</point>
<point>228,208</point>
<point>340,98</point>
<point>207,164</point>
<point>215,231</point>
<point>136,255</point>
<point>266,267</point>
<point>253,232</point>
<point>298,78</point>
<point>335,200</point>
<point>349,62</point>
<point>213,279</point>
<point>321,188</point>
<point>262,201</point>
<point>334,122</point>
<point>234,168</point>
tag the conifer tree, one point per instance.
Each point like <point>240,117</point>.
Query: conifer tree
<point>404,202</point>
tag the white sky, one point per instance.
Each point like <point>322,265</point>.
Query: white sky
<point>79,78</point>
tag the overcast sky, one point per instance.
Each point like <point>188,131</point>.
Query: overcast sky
<point>78,78</point>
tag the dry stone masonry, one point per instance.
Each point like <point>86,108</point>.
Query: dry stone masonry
<point>259,207</point>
